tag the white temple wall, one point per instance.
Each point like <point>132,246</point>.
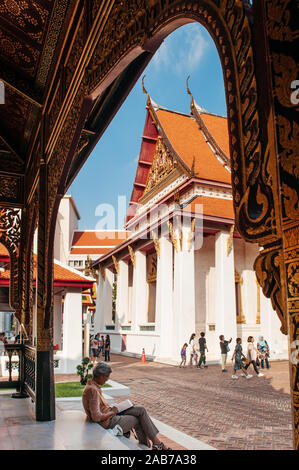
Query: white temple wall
<point>225,302</point>
<point>140,291</point>
<point>204,260</point>
<point>71,354</point>
<point>122,303</point>
<point>270,330</point>
<point>164,292</point>
<point>184,293</point>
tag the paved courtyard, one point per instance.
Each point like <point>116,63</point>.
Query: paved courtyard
<point>209,405</point>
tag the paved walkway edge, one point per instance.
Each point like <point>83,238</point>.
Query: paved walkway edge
<point>181,438</point>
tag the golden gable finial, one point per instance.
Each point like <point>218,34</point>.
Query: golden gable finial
<point>143,87</point>
<point>189,93</point>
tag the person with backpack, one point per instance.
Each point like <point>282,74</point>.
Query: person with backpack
<point>263,347</point>
<point>224,348</point>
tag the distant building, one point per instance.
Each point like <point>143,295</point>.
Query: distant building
<point>184,269</point>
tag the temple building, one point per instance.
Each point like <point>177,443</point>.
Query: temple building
<point>184,268</point>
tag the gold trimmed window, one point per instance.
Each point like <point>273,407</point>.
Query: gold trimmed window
<point>152,284</point>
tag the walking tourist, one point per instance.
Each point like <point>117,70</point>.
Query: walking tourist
<point>251,356</point>
<point>239,356</point>
<point>202,350</point>
<point>102,342</point>
<point>192,349</point>
<point>263,348</point>
<point>99,411</point>
<point>107,348</point>
<point>224,348</point>
<point>183,355</point>
<point>94,348</point>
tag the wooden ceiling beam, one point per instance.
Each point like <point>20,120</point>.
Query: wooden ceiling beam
<point>20,85</point>
<point>11,149</point>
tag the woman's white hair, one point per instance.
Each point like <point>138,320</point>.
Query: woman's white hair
<point>101,368</point>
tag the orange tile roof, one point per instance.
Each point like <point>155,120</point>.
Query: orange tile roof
<point>96,242</point>
<point>91,251</point>
<point>61,274</point>
<point>212,206</point>
<point>217,125</point>
<point>189,143</point>
<point>98,238</point>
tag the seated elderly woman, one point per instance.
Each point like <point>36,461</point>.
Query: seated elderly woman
<point>99,411</point>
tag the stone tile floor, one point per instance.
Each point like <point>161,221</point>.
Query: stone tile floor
<point>209,405</point>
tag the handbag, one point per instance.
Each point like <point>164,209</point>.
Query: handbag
<point>257,361</point>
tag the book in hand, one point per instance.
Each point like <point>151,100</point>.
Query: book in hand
<point>124,405</point>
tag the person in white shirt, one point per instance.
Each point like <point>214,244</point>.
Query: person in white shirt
<point>192,350</point>
<point>251,356</point>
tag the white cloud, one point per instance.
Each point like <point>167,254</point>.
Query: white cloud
<point>182,51</point>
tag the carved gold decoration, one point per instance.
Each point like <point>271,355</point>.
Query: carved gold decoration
<point>238,284</point>
<point>116,264</point>
<point>132,256</point>
<point>258,306</point>
<point>229,242</point>
<point>152,270</point>
<point>163,164</point>
<point>156,243</point>
<point>191,234</point>
<point>173,237</point>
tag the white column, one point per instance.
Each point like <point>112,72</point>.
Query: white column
<point>107,297</point>
<point>184,293</point>
<point>225,301</point>
<point>57,310</point>
<point>122,302</point>
<point>140,291</point>
<point>164,312</point>
<point>99,324</point>
<point>72,329</point>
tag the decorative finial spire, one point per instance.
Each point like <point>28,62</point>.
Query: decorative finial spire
<point>145,91</point>
<point>143,87</point>
<point>189,93</point>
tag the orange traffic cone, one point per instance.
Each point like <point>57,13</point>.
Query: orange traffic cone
<point>143,360</point>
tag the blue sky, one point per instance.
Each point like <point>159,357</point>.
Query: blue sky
<point>110,170</point>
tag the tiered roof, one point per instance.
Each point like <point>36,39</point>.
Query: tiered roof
<point>197,143</point>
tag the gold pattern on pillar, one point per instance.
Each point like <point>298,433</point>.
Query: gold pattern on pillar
<point>10,237</point>
<point>239,308</point>
<point>116,264</point>
<point>132,256</point>
<point>258,306</point>
<point>191,234</point>
<point>173,238</point>
<point>156,243</point>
